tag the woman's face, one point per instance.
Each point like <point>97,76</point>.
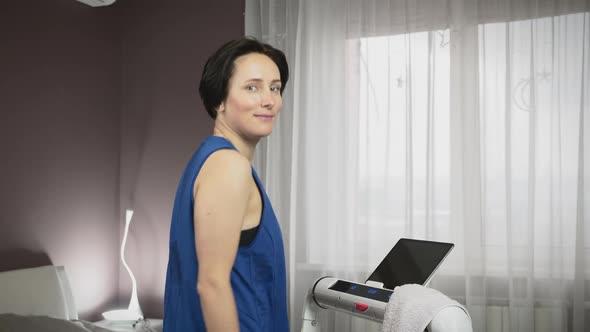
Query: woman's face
<point>254,97</point>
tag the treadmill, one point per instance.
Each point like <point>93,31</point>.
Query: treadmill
<point>410,261</point>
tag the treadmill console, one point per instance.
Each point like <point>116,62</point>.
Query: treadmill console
<point>409,261</point>
<point>361,290</point>
<point>357,299</point>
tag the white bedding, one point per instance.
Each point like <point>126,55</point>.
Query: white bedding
<point>22,323</point>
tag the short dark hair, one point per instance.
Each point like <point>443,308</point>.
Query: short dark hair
<point>220,66</point>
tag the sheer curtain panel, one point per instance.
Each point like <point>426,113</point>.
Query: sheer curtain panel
<point>462,121</point>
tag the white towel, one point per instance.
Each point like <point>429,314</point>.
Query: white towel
<point>412,307</point>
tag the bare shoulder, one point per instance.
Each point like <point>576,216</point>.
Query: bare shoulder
<point>225,165</point>
<point>228,157</point>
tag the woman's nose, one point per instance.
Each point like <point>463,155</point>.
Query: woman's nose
<point>268,100</point>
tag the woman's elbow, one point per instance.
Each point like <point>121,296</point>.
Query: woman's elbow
<point>211,285</point>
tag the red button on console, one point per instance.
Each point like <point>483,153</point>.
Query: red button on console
<point>361,306</point>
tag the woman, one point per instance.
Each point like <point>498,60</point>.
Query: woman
<point>226,269</point>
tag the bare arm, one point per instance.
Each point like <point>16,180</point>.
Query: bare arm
<point>221,200</point>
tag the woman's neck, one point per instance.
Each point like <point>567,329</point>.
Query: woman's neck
<point>244,147</point>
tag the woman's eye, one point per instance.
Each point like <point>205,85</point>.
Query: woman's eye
<point>275,89</point>
<point>251,88</point>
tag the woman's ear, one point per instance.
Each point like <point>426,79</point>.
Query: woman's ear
<point>221,108</point>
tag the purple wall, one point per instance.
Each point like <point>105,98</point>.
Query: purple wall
<point>59,140</point>
<point>98,116</point>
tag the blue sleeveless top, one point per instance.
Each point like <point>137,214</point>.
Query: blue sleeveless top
<point>258,276</point>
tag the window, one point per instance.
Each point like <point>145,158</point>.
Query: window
<point>404,144</point>
<point>528,160</point>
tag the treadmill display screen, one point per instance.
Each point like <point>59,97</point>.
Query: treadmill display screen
<point>410,262</point>
<point>378,294</point>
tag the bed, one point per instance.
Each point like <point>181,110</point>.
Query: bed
<point>40,299</point>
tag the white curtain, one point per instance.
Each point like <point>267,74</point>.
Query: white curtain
<point>462,121</point>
